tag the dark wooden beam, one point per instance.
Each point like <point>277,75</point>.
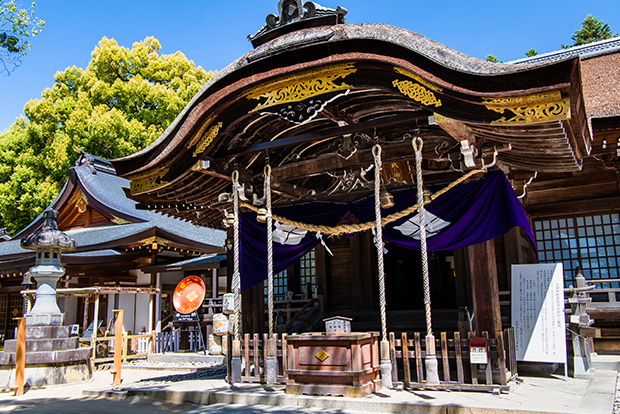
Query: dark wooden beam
<point>329,162</point>
<point>220,169</point>
<point>382,122</point>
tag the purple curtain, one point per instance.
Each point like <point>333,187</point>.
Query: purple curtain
<point>468,214</point>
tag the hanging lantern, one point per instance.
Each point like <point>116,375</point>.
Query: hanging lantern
<point>27,280</point>
<point>224,198</point>
<point>386,199</point>
<point>261,215</point>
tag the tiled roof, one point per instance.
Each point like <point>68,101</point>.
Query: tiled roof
<point>602,47</point>
<point>98,181</point>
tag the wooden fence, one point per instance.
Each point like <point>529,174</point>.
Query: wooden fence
<point>254,355</point>
<point>456,370</point>
<point>134,346</point>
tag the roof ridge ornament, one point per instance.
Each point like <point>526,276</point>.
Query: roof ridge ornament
<point>295,15</point>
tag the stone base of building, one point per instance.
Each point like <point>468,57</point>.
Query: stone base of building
<point>41,375</point>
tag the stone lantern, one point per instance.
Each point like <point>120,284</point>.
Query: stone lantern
<point>48,242</point>
<point>52,355</point>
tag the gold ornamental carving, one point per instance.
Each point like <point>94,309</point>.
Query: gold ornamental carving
<point>148,182</point>
<point>207,139</point>
<point>440,119</point>
<point>81,203</point>
<point>530,109</point>
<point>418,79</point>
<point>118,220</point>
<point>300,86</point>
<point>156,240</point>
<point>198,135</point>
<point>524,100</point>
<point>417,92</point>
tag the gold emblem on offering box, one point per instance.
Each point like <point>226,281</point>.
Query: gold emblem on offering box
<point>321,355</point>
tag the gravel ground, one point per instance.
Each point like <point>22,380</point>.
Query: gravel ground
<point>143,363</point>
<point>210,372</point>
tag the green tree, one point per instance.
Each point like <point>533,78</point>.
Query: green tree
<point>17,26</point>
<point>491,58</point>
<point>531,52</point>
<point>592,30</point>
<point>121,102</point>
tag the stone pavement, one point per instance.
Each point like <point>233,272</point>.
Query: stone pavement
<point>148,391</point>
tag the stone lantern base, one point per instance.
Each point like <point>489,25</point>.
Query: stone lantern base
<point>52,357</point>
<point>46,319</point>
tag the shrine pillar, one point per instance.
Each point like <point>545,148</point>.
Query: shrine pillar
<point>484,287</point>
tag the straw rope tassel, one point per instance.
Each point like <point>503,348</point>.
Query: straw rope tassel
<point>269,248</point>
<point>417,146</point>
<point>376,151</point>
<point>236,279</point>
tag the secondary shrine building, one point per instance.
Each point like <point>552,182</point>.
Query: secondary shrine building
<point>305,108</point>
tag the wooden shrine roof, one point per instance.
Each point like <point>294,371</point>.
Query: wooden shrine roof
<point>316,100</point>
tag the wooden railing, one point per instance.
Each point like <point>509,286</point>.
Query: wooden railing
<point>253,354</point>
<point>134,346</point>
<point>211,306</point>
<point>454,365</point>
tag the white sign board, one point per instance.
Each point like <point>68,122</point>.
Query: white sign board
<point>538,312</point>
<point>478,355</point>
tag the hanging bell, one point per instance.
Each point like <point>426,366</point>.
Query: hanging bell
<point>230,219</point>
<point>386,199</point>
<point>261,215</point>
<point>27,279</point>
<point>427,195</point>
<point>224,198</point>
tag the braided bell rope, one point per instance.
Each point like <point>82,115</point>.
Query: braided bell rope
<point>417,147</point>
<point>269,249</point>
<point>355,228</point>
<point>376,152</point>
<point>236,279</point>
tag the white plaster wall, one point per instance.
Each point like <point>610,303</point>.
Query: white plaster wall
<point>141,304</point>
<point>126,303</point>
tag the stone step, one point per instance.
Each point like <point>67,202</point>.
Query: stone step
<point>41,345</point>
<point>49,357</point>
<point>47,332</point>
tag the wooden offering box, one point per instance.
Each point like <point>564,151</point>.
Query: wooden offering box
<point>333,364</point>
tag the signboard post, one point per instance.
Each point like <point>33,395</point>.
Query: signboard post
<point>537,307</point>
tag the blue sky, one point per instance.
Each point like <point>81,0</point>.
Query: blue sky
<point>213,33</point>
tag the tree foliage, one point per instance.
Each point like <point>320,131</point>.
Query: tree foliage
<point>491,58</point>
<point>592,30</point>
<point>531,52</point>
<point>121,102</point>
<point>17,26</point>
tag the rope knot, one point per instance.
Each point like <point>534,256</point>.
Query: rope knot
<point>417,143</point>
